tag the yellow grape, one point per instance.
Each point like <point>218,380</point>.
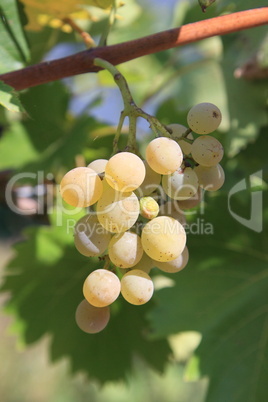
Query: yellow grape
<point>125,172</point>
<point>163,238</point>
<point>98,165</point>
<point>181,184</point>
<point>137,287</point>
<point>101,288</point>
<point>90,237</point>
<point>81,187</point>
<point>150,183</point>
<point>204,118</point>
<point>164,155</point>
<point>210,178</point>
<point>175,265</point>
<point>125,249</point>
<point>207,150</point>
<point>91,319</point>
<point>116,211</point>
<point>177,131</point>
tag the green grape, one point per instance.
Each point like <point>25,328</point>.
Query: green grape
<point>177,131</point>
<point>175,265</point>
<point>91,319</point>
<point>137,287</point>
<point>171,208</point>
<point>164,155</point>
<point>192,202</point>
<point>181,184</point>
<point>163,238</point>
<point>150,183</point>
<point>125,249</point>
<point>90,238</point>
<point>207,151</point>
<point>98,165</point>
<point>125,172</point>
<point>101,288</point>
<point>81,187</point>
<point>145,264</point>
<point>148,207</point>
<point>204,118</point>
<point>210,178</point>
<point>116,211</point>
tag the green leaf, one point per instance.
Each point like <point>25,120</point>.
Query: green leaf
<point>45,280</point>
<point>14,51</point>
<point>247,100</point>
<point>16,148</point>
<point>223,295</point>
<point>9,98</point>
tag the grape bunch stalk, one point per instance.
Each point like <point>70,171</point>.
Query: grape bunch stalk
<point>136,220</point>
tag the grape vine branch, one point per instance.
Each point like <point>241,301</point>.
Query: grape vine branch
<point>83,62</point>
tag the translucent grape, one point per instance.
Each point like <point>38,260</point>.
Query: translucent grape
<point>192,202</point>
<point>101,288</point>
<point>164,155</point>
<point>171,208</point>
<point>181,184</point>
<point>163,238</point>
<point>125,249</point>
<point>210,178</point>
<point>149,208</point>
<point>98,165</point>
<point>137,287</point>
<point>145,264</point>
<point>91,319</point>
<point>81,187</point>
<point>90,237</point>
<point>150,183</point>
<point>116,211</point>
<point>175,265</point>
<point>204,118</point>
<point>125,172</point>
<point>207,150</point>
<point>177,131</point>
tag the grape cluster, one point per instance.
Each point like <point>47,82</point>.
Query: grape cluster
<point>136,221</point>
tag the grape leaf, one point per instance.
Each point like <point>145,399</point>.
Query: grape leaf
<point>246,99</point>
<point>223,295</point>
<point>14,51</point>
<point>45,280</point>
<point>9,98</point>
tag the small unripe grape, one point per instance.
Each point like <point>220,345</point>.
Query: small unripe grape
<point>148,207</point>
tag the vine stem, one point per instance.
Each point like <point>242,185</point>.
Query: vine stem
<point>83,62</point>
<point>131,110</point>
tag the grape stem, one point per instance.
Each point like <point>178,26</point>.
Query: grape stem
<point>131,110</point>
